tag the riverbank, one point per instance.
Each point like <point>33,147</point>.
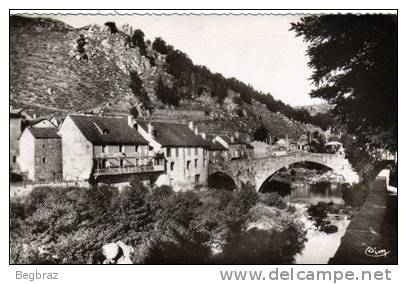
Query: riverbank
<point>363,240</point>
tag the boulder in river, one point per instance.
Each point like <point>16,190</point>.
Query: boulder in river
<point>329,229</point>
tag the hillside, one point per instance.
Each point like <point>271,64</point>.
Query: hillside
<point>56,69</point>
<point>316,108</point>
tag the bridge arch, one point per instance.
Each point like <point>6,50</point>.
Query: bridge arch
<point>221,180</point>
<point>282,188</point>
<point>256,171</point>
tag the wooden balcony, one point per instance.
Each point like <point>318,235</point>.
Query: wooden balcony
<point>128,170</point>
<point>117,164</point>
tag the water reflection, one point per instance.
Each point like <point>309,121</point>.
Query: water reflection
<point>317,247</point>
<point>316,192</point>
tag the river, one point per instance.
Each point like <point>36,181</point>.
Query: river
<point>303,192</point>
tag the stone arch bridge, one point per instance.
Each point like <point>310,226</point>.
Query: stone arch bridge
<point>257,170</point>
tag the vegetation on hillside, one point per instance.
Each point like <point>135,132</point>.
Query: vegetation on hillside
<point>113,69</point>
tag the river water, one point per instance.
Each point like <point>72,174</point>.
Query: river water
<point>319,246</point>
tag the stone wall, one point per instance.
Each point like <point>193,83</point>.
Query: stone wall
<point>256,171</point>
<point>48,159</point>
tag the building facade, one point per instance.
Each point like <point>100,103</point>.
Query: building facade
<point>105,149</point>
<point>237,149</point>
<point>185,152</point>
<point>41,154</point>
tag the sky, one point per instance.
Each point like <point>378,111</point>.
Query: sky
<point>258,50</point>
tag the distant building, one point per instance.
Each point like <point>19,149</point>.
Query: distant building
<point>261,149</point>
<point>105,149</point>
<point>16,127</point>
<point>41,153</point>
<point>237,148</point>
<point>185,151</point>
<point>217,152</point>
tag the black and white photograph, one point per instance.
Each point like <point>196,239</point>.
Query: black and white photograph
<point>214,139</point>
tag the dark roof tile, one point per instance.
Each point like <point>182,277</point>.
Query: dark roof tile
<point>107,130</point>
<point>176,135</point>
<point>44,132</point>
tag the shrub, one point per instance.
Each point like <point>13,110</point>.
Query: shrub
<point>273,199</point>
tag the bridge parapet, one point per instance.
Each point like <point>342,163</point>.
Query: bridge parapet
<point>256,171</point>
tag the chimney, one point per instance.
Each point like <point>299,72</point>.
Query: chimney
<point>150,129</point>
<point>203,135</point>
<point>196,131</point>
<point>131,121</point>
<point>191,125</point>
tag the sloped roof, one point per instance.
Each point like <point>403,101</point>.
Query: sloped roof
<point>175,134</point>
<point>216,146</point>
<point>107,130</point>
<point>44,132</point>
<point>236,141</point>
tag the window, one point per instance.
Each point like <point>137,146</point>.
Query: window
<point>196,151</point>
<point>43,146</point>
<point>196,179</point>
<point>14,159</point>
<point>188,164</point>
<point>104,149</point>
<point>177,152</point>
<point>204,162</point>
<point>196,163</point>
<point>168,152</point>
<point>172,166</point>
<point>121,149</point>
<point>44,160</point>
<point>189,151</point>
<point>136,148</point>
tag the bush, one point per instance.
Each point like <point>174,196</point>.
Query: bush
<point>273,199</point>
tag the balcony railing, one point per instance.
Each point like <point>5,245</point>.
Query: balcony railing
<point>128,170</point>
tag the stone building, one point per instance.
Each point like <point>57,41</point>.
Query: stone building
<point>41,153</point>
<point>217,152</point>
<point>106,149</point>
<point>185,151</point>
<point>237,148</point>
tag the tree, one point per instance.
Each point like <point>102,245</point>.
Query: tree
<point>261,133</point>
<point>112,27</point>
<point>136,85</point>
<point>138,40</point>
<point>166,94</point>
<point>160,45</point>
<point>80,47</point>
<point>354,62</point>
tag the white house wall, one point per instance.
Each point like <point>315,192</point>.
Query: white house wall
<point>77,152</point>
<point>27,148</point>
<point>181,177</point>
